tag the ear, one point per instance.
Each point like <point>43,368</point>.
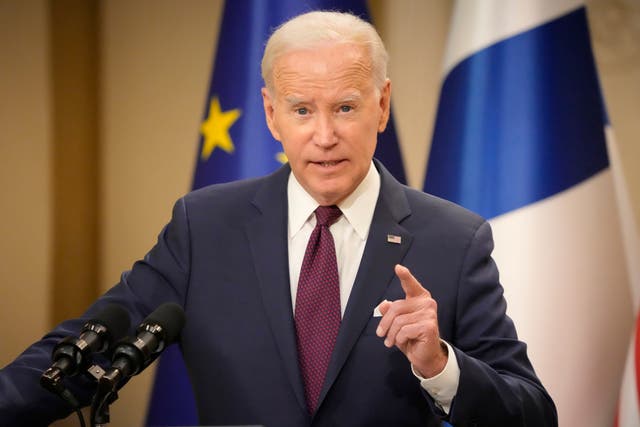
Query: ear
<point>385,105</point>
<point>268,104</point>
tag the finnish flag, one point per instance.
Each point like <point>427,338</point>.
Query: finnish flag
<point>521,138</point>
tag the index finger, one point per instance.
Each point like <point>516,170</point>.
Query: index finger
<point>410,285</point>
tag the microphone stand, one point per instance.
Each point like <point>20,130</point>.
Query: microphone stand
<point>106,394</point>
<point>100,407</point>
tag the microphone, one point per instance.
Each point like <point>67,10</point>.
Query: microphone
<point>160,329</point>
<point>71,355</point>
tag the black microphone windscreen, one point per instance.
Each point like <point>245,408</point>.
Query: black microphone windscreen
<point>171,317</point>
<point>115,319</point>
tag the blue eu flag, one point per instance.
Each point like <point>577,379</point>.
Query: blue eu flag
<point>235,143</point>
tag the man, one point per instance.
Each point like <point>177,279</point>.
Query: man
<point>326,293</point>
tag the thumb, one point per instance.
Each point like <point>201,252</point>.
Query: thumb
<point>383,307</point>
<point>410,285</point>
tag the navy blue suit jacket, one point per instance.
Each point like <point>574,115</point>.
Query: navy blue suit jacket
<point>223,257</point>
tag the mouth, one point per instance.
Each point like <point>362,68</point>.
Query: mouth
<point>328,163</point>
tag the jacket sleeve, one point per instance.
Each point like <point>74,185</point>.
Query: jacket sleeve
<point>498,386</point>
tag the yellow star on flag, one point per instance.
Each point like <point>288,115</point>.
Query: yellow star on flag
<point>216,129</point>
<point>282,158</point>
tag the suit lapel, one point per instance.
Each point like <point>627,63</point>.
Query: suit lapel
<point>267,235</point>
<point>376,270</point>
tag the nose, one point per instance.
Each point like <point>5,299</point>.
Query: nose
<point>325,131</point>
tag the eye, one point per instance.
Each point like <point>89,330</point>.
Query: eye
<point>302,111</point>
<point>345,108</point>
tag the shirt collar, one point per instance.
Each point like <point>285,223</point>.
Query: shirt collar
<point>357,208</point>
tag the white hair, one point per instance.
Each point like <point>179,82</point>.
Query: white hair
<point>309,30</point>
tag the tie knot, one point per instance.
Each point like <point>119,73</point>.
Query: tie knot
<point>327,215</point>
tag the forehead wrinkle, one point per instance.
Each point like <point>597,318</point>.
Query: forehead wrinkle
<point>348,87</point>
<point>293,75</point>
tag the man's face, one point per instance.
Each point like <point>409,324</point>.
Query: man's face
<point>326,112</point>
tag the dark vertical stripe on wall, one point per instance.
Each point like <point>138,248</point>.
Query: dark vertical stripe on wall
<point>75,155</point>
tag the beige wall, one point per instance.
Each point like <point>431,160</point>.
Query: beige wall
<point>615,28</point>
<point>155,65</point>
<point>25,169</point>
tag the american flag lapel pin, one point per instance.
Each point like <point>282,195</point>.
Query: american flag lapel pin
<point>392,238</point>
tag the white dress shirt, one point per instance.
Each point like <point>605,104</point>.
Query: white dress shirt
<point>350,233</point>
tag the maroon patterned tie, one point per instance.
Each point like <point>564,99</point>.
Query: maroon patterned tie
<point>317,312</point>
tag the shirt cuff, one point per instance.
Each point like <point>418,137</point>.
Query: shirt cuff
<point>444,386</point>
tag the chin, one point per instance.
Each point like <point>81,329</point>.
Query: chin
<point>331,197</point>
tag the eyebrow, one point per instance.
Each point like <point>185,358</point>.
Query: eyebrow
<point>293,100</point>
<point>348,98</point>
